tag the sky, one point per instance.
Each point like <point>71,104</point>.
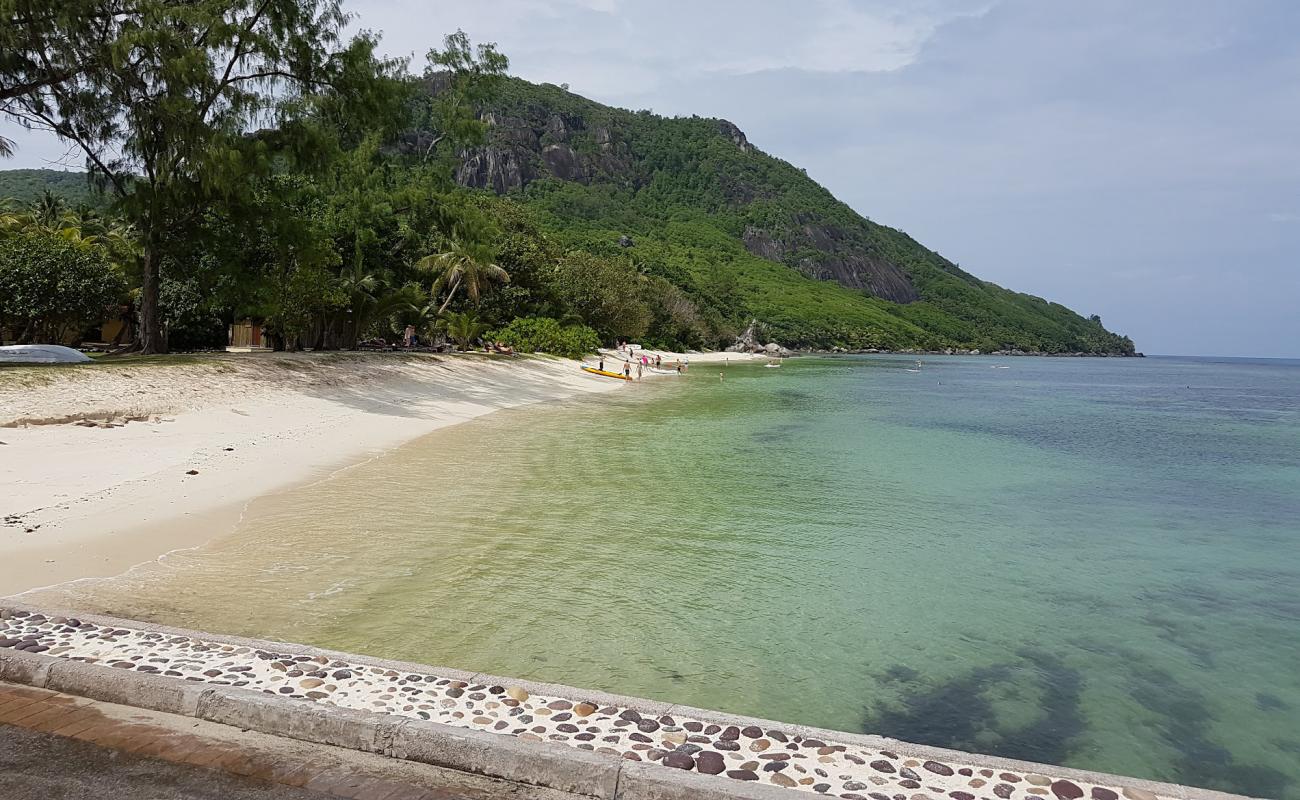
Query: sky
<point>1137,160</point>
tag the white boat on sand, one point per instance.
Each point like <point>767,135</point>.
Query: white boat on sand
<point>41,354</point>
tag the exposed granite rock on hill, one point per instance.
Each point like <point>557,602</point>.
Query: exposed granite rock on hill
<point>534,141</point>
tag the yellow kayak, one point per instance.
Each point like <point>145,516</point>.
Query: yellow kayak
<point>606,373</point>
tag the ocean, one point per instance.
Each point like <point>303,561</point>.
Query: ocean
<point>1089,562</point>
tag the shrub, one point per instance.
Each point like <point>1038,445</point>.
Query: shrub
<point>52,287</point>
<point>192,322</point>
<point>606,293</point>
<point>463,327</point>
<point>545,335</point>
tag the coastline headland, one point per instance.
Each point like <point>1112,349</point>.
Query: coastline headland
<point>582,742</point>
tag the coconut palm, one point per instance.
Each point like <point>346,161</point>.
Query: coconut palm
<point>49,210</point>
<point>12,219</point>
<point>463,327</point>
<point>424,316</point>
<point>358,286</point>
<point>464,264</point>
<point>392,304</point>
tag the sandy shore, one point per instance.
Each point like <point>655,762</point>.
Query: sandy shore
<point>96,461</point>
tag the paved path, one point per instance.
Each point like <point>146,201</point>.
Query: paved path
<point>55,746</point>
<point>44,766</point>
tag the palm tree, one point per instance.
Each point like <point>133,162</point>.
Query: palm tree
<point>464,327</point>
<point>424,316</point>
<point>12,219</point>
<point>49,210</point>
<point>465,264</point>
<point>359,287</point>
<point>392,304</point>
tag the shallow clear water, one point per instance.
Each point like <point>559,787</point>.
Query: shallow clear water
<point>1080,561</point>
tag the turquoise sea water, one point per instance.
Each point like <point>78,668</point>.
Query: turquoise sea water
<point>1079,561</point>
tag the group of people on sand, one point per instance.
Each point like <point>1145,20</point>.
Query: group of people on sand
<point>642,361</point>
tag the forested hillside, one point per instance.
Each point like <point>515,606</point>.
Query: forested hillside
<point>459,201</point>
<point>27,185</point>
<point>740,232</point>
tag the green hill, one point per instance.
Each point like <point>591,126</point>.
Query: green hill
<point>25,185</point>
<point>747,235</point>
<point>743,235</point>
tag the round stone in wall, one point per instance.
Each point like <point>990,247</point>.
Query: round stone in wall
<point>709,762</point>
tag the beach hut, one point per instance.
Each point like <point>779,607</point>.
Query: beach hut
<point>246,334</point>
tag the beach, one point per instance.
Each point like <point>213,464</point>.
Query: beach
<point>107,466</point>
<point>1010,556</point>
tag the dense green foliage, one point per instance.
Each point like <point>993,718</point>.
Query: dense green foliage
<point>27,185</point>
<point>464,328</point>
<point>350,218</point>
<point>546,335</point>
<point>52,287</point>
<point>159,96</point>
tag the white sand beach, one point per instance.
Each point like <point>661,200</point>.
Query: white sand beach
<point>105,466</point>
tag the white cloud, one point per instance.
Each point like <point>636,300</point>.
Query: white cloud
<point>836,36</point>
<point>648,44</point>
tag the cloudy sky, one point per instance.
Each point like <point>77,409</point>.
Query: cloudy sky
<point>1138,160</point>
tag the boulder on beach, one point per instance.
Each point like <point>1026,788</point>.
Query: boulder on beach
<point>748,342</point>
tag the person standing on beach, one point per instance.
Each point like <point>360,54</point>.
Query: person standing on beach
<point>600,365</point>
<point>659,361</point>
<point>638,371</point>
<point>627,370</point>
<point>409,336</point>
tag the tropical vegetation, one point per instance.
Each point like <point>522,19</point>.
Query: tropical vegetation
<point>249,160</point>
<point>61,269</point>
<point>546,335</point>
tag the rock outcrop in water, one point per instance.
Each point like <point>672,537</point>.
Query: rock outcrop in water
<point>750,342</point>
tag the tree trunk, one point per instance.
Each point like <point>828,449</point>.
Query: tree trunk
<point>151,332</point>
<point>124,332</point>
<point>450,294</point>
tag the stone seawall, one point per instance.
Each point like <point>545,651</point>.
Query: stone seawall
<point>559,737</point>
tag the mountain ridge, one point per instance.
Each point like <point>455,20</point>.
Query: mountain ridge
<point>639,168</point>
